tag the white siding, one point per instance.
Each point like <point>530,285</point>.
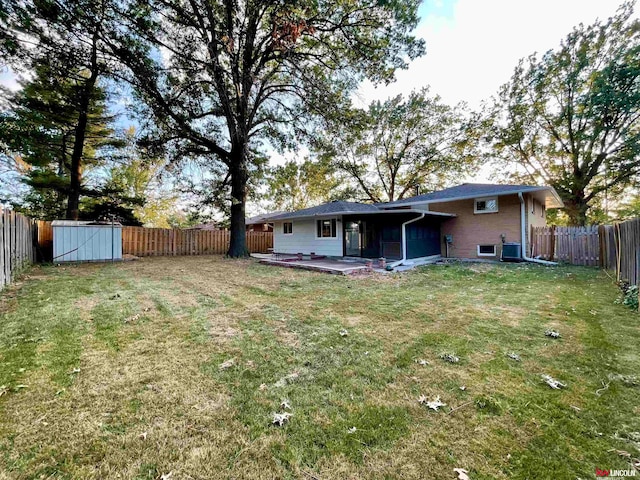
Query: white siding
<point>303,239</point>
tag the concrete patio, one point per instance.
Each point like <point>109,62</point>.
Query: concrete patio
<point>326,265</point>
<point>340,266</point>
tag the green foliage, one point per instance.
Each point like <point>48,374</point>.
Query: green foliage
<point>629,209</point>
<point>294,186</point>
<point>398,146</point>
<point>242,75</point>
<point>570,118</point>
<point>628,296</point>
<point>38,133</point>
<point>66,38</point>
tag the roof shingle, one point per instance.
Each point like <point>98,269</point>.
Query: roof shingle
<point>462,191</point>
<point>337,207</point>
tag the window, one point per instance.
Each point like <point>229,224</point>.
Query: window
<point>485,205</point>
<point>533,206</point>
<point>486,250</point>
<point>287,228</point>
<point>326,228</point>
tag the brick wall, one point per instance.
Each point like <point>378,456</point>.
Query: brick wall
<point>472,229</point>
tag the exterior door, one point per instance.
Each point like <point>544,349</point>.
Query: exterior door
<point>352,241</point>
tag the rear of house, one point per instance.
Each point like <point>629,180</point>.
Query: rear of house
<point>467,221</point>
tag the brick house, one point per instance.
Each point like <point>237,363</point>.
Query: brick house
<point>467,221</point>
<point>261,223</point>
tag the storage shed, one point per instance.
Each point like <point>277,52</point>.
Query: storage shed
<point>76,241</point>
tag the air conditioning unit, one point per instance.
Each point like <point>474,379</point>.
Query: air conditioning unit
<point>511,252</point>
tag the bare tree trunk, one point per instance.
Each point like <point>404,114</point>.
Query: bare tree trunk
<point>239,176</point>
<point>576,208</point>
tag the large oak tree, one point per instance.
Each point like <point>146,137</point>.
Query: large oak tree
<point>570,118</point>
<point>226,78</point>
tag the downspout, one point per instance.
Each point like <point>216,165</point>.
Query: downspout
<point>404,240</point>
<point>523,235</point>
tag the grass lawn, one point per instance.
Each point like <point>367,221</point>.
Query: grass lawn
<point>114,371</point>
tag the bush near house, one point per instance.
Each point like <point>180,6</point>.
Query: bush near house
<point>178,365</point>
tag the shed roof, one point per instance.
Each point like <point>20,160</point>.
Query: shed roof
<point>84,223</point>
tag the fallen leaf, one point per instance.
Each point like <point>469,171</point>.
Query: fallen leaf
<point>434,404</point>
<point>622,453</point>
<point>263,387</point>
<point>450,357</point>
<point>281,418</point>
<point>227,364</point>
<point>552,333</point>
<point>462,473</point>
<point>422,362</point>
<point>553,383</point>
<point>143,436</point>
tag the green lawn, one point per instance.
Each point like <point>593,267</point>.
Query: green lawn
<point>114,371</point>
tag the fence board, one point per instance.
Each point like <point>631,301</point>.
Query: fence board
<point>17,240</point>
<point>574,245</point>
<point>143,242</point>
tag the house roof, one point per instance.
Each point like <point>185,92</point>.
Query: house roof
<point>474,190</point>
<point>262,218</point>
<point>461,192</point>
<point>347,208</point>
<point>330,208</point>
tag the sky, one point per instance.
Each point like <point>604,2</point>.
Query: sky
<point>474,45</point>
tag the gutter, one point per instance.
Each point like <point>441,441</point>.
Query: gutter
<point>523,236</point>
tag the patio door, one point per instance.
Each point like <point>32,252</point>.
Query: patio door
<point>352,239</point>
<point>361,239</point>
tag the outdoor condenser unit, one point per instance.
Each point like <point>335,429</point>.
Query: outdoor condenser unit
<point>511,252</point>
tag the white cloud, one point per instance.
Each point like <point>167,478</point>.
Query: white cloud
<point>473,52</point>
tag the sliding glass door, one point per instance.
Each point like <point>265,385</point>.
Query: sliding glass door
<point>352,242</point>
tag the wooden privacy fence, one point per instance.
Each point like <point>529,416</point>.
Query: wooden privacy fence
<point>17,241</point>
<point>44,236</point>
<point>574,245</point>
<point>612,247</point>
<point>626,238</point>
<point>144,242</point>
